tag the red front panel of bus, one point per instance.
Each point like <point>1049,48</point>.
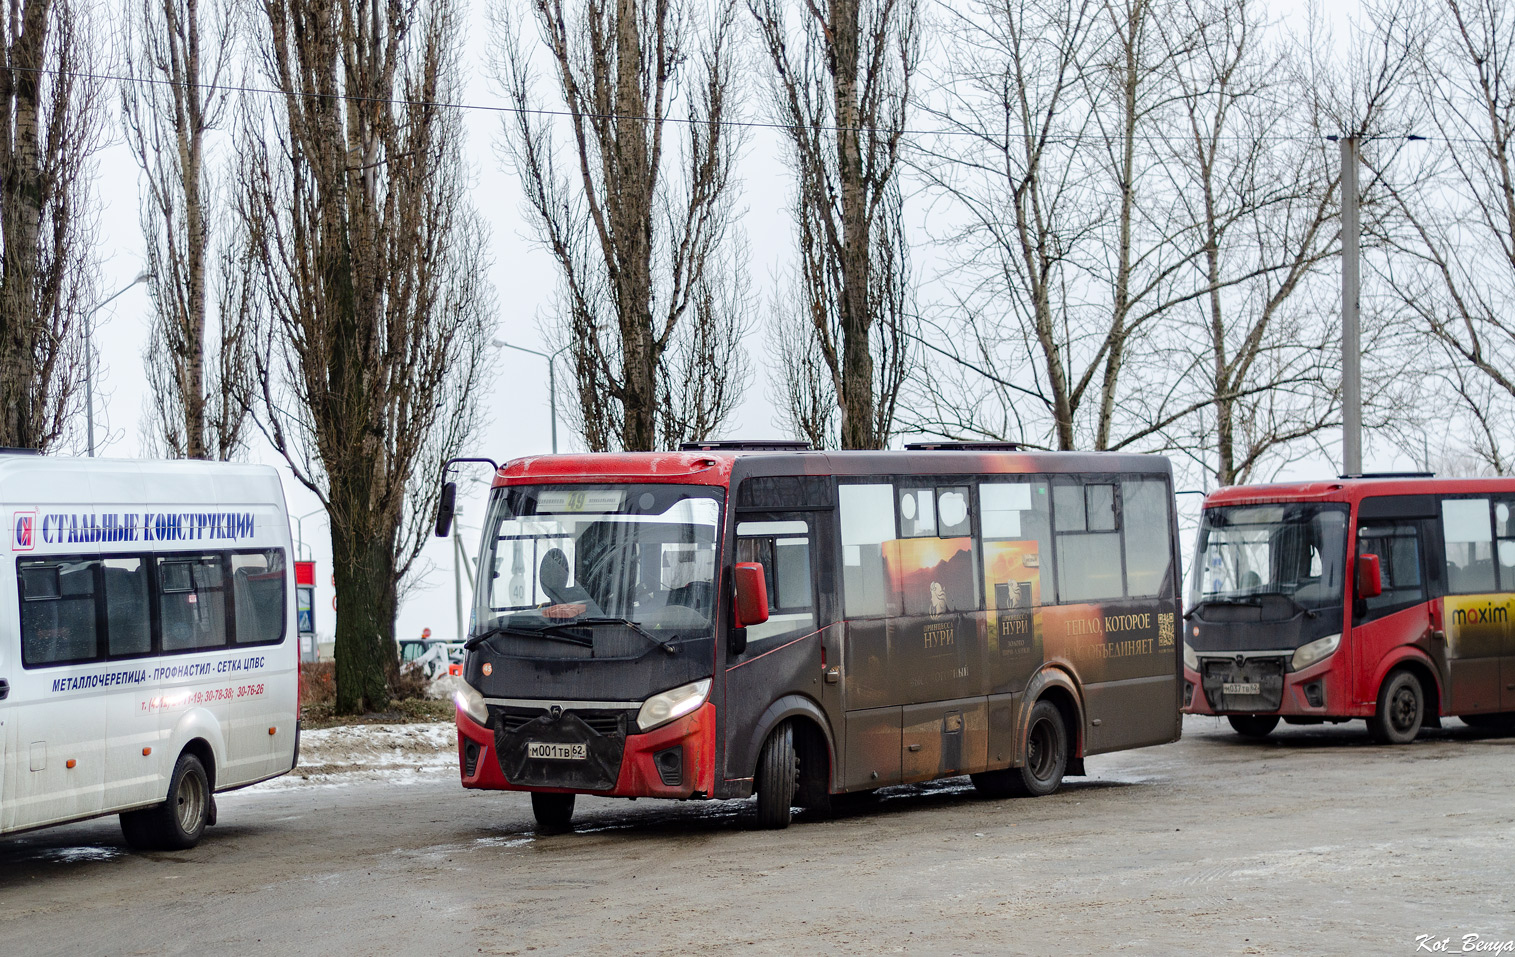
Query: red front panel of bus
<point>694,735</point>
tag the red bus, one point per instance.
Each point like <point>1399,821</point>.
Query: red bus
<point>1386,598</point>
<point>729,620</point>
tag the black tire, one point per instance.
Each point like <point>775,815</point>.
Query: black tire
<point>554,812</point>
<point>777,777</point>
<point>180,821</point>
<point>1046,759</point>
<point>1401,709</point>
<point>1253,725</point>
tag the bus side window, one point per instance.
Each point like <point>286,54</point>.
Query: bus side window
<point>128,626</point>
<point>58,619</point>
<point>1398,551</point>
<point>1088,542</point>
<point>1468,536</point>
<point>782,547</point>
<point>258,596</point>
<point>1504,543</point>
<point>867,518</point>
<point>1145,515</point>
<point>192,602</point>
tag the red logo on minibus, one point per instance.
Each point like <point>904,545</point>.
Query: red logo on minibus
<point>25,527</point>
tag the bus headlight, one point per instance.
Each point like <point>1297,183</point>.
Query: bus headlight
<point>471,703</point>
<point>1315,651</point>
<point>663,708</point>
<point>1191,660</point>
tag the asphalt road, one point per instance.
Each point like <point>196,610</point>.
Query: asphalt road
<point>1314,842</point>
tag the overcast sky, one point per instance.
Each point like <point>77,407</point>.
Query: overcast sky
<point>515,397</point>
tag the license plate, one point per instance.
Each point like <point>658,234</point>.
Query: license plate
<point>1241,687</point>
<point>548,751</point>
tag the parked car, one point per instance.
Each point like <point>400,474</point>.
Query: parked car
<point>433,656</point>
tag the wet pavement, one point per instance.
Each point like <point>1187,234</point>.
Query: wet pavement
<point>1314,841</point>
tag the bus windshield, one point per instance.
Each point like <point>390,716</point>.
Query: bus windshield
<point>564,560</point>
<point>1248,552</point>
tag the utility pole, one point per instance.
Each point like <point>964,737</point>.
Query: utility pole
<point>1351,342</point>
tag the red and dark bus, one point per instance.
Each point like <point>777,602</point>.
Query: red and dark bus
<point>1386,598</point>
<point>729,620</point>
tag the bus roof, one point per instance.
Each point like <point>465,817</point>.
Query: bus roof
<point>43,479</point>
<point>1354,489</point>
<point>716,467</point>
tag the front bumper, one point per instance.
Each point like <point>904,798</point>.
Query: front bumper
<point>676,760</point>
<point>1314,692</point>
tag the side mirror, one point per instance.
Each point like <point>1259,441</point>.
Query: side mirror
<point>445,508</point>
<point>1369,577</point>
<point>751,594</point>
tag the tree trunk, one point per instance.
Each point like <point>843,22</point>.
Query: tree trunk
<point>363,560</point>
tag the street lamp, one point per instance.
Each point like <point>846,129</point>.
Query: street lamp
<point>552,379</point>
<point>89,363</point>
<point>300,532</point>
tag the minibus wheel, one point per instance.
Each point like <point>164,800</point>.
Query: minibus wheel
<point>1401,708</point>
<point>178,823</point>
<point>1253,725</point>
<point>1046,759</point>
<point>554,812</point>
<point>777,778</point>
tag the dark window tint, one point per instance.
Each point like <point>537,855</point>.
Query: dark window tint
<point>257,580</point>
<point>58,619</point>
<point>192,602</point>
<point>128,617</point>
<point>1398,551</point>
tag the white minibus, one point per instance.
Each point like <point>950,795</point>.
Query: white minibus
<point>147,660</point>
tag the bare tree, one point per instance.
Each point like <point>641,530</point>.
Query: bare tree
<point>1069,244</point>
<point>842,90</point>
<point>369,275</point>
<point>51,122</point>
<point>653,301</point>
<point>178,61</point>
<point>1456,269</point>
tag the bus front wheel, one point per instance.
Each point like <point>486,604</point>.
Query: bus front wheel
<point>1253,725</point>
<point>1401,708</point>
<point>777,779</point>
<point>554,812</point>
<point>178,823</point>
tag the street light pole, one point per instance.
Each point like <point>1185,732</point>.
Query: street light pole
<point>1351,347</point>
<point>89,360</point>
<point>552,380</point>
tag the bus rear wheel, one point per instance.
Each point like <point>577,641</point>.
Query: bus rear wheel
<point>179,822</point>
<point>1401,709</point>
<point>1253,725</point>
<point>1046,759</point>
<point>554,812</point>
<point>777,778</point>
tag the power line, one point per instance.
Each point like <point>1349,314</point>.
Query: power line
<point>740,124</point>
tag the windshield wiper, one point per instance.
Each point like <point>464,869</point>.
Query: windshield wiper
<point>612,620</point>
<point>498,630</point>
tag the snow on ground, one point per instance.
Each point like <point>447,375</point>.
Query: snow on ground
<point>396,753</point>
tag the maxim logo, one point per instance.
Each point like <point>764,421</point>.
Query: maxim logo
<point>1487,615</point>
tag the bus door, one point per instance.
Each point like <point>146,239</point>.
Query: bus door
<point>60,723</point>
<point>784,655</point>
<point>1401,615</point>
<point>1476,615</point>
